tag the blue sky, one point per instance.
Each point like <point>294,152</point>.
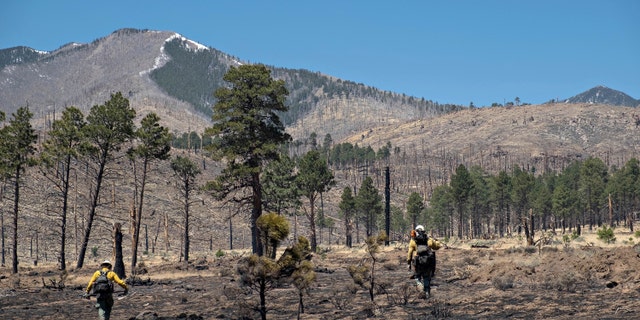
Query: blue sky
<point>456,51</point>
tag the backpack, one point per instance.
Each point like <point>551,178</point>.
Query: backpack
<point>425,258</point>
<point>421,238</point>
<point>102,284</point>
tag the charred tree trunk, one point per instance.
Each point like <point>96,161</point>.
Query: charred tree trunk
<point>146,239</point>
<point>137,217</point>
<point>155,238</point>
<point>230,232</point>
<point>118,265</point>
<point>92,211</point>
<point>348,232</point>
<point>166,232</point>
<point>312,223</point>
<point>528,227</point>
<point>186,227</point>
<point>610,212</point>
<point>2,226</point>
<point>65,206</point>
<point>16,201</point>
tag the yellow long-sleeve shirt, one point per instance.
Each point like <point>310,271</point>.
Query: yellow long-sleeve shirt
<point>112,276</point>
<point>413,247</point>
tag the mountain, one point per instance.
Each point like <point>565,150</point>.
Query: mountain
<point>19,55</point>
<point>84,75</point>
<point>547,136</point>
<point>175,77</point>
<point>604,95</point>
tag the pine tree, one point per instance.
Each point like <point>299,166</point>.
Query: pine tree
<point>65,143</point>
<point>247,133</point>
<point>461,185</point>
<point>17,146</point>
<point>186,172</point>
<point>347,209</point>
<point>369,205</point>
<point>153,144</point>
<point>314,178</point>
<point>415,206</point>
<point>108,127</point>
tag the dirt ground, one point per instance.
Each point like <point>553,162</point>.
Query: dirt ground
<point>478,279</point>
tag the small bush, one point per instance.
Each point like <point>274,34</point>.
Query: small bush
<point>226,272</point>
<point>462,273</point>
<point>514,250</point>
<point>342,299</point>
<point>383,287</point>
<point>564,282</point>
<point>502,283</point>
<point>606,234</point>
<point>549,249</point>
<point>469,260</point>
<point>637,234</point>
<point>400,295</point>
<point>390,266</point>
<point>219,253</point>
<point>440,310</point>
<point>94,252</point>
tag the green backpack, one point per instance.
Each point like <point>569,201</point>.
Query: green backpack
<point>102,284</point>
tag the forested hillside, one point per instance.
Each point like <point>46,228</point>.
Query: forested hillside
<point>317,102</point>
<point>18,55</point>
<point>163,72</point>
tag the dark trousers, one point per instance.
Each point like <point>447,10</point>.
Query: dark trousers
<point>425,278</point>
<point>104,305</point>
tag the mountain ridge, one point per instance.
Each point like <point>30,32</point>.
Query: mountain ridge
<point>164,72</point>
<point>603,95</point>
<point>548,136</point>
<point>176,77</point>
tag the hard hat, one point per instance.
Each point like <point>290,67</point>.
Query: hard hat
<point>419,227</point>
<point>106,263</point>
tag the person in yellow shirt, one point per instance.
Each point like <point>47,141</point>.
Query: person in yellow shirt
<point>424,263</point>
<point>103,289</point>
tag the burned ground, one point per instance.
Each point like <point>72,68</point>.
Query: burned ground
<point>498,279</point>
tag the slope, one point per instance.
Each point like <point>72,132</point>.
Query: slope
<point>547,135</point>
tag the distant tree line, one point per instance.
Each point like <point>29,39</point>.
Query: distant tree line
<point>586,193</point>
<point>474,203</point>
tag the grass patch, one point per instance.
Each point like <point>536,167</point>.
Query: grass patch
<point>502,282</point>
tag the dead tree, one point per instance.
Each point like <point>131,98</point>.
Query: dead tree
<point>118,266</point>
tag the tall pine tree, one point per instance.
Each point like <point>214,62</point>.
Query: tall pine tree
<point>247,134</point>
<point>314,178</point>
<point>17,146</point>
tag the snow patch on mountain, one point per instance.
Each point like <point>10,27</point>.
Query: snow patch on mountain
<point>163,58</point>
<point>192,45</point>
